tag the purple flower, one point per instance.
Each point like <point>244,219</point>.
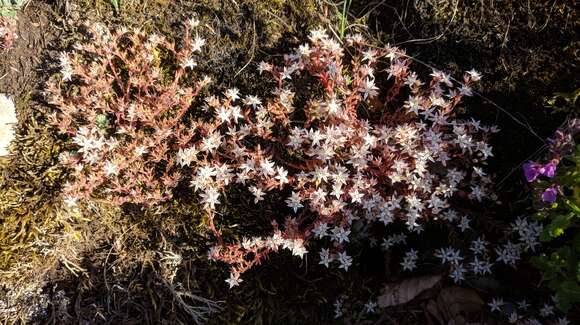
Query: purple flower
<point>549,169</point>
<point>531,171</point>
<point>549,195</point>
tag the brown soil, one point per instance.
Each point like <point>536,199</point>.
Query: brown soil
<point>21,67</point>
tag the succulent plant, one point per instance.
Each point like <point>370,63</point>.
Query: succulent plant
<point>8,8</point>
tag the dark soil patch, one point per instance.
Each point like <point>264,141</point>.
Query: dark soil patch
<point>21,68</point>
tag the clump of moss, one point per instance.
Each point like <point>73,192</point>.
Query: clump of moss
<point>33,235</point>
<point>29,225</point>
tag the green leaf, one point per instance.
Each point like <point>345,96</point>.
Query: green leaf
<point>573,206</point>
<point>550,269</point>
<point>568,294</point>
<point>571,262</point>
<point>102,121</point>
<point>115,4</point>
<point>556,228</point>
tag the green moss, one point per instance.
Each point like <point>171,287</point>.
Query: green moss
<point>28,185</point>
<point>29,227</point>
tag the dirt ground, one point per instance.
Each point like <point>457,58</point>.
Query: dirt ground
<point>22,66</point>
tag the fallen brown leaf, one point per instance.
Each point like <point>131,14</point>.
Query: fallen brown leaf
<point>459,306</point>
<point>402,292</point>
<point>432,308</point>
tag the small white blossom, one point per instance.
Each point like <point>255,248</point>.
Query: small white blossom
<point>193,22</point>
<point>110,168</point>
<point>234,280</point>
<point>509,254</point>
<point>233,94</point>
<point>523,305</point>
<point>563,321</point>
<point>547,310</point>
<point>344,260</point>
<point>340,235</point>
<point>464,223</point>
<point>294,202</point>
<point>325,257</point>
<point>253,101</point>
<point>513,318</point>
<point>410,260</point>
<point>356,196</point>
<point>197,44</point>
<point>263,66</point>
<point>298,248</point>
<point>70,201</point>
<point>369,89</point>
<point>478,246</point>
<point>370,307</point>
<point>475,76</point>
<point>458,273</point>
<point>258,193</point>
<point>496,304</point>
<point>189,64</point>
<point>321,230</point>
<point>210,198</point>
<point>338,308</point>
<point>449,255</point>
<point>65,67</point>
<point>480,267</point>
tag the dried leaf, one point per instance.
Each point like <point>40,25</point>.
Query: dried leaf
<point>407,290</point>
<point>459,304</point>
<point>433,309</point>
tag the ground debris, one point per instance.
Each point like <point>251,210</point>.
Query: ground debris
<point>402,292</point>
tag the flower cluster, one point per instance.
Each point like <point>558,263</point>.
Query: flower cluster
<point>348,138</point>
<point>350,151</point>
<point>560,188</point>
<point>522,312</point>
<point>533,169</point>
<point>480,256</point>
<point>560,145</point>
<point>123,98</point>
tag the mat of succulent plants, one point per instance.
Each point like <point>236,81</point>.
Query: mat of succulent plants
<point>289,162</point>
